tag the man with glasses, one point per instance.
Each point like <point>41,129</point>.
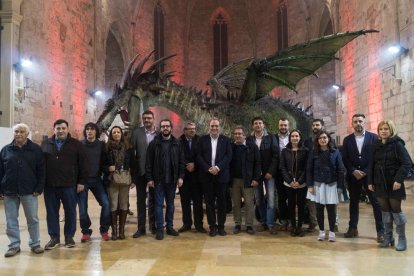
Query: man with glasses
<point>214,156</point>
<point>191,190</point>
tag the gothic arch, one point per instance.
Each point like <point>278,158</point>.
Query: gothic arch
<point>114,61</point>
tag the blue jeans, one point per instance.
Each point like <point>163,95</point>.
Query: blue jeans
<point>53,197</point>
<point>266,203</point>
<point>167,191</point>
<point>11,208</point>
<point>99,191</point>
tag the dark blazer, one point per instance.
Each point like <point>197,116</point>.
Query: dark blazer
<point>140,145</point>
<point>223,158</point>
<point>250,163</point>
<point>269,153</point>
<point>22,170</point>
<point>351,157</point>
<point>67,167</point>
<point>190,155</point>
<point>286,164</point>
<point>153,165</point>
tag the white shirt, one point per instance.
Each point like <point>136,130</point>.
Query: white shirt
<point>283,141</point>
<point>150,135</point>
<point>360,141</point>
<point>213,150</point>
<point>258,140</point>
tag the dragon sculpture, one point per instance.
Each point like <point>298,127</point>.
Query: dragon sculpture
<point>238,92</point>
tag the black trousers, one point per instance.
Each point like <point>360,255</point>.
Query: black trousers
<point>282,197</point>
<point>141,187</point>
<point>191,191</point>
<point>296,197</point>
<point>215,192</point>
<point>320,215</point>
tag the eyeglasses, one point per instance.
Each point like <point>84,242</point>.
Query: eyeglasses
<point>165,126</point>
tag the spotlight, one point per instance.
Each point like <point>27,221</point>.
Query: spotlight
<point>395,49</point>
<point>23,63</point>
<point>95,93</point>
<point>338,87</point>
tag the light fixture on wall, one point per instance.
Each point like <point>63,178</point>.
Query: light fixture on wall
<point>397,49</point>
<point>338,87</point>
<point>95,93</point>
<point>23,63</point>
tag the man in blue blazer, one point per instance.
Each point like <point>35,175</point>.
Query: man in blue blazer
<point>213,158</point>
<point>356,152</point>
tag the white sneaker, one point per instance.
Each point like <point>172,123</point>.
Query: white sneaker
<point>332,236</point>
<point>321,235</point>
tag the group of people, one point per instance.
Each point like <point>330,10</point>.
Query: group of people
<point>282,174</point>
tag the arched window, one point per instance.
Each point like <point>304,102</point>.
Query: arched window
<point>220,43</point>
<point>282,26</point>
<point>159,34</point>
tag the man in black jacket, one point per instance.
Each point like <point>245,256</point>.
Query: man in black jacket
<point>245,175</point>
<point>22,178</point>
<point>66,175</point>
<point>269,154</point>
<point>213,158</point>
<point>191,190</point>
<point>164,169</point>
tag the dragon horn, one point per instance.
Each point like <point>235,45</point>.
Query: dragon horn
<point>159,61</point>
<point>140,65</point>
<point>127,72</point>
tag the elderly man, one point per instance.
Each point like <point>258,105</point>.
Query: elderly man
<point>66,175</point>
<point>22,178</point>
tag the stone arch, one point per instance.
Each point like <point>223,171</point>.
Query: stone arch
<point>216,12</point>
<point>114,61</point>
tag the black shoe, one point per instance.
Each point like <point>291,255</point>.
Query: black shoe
<point>236,229</point>
<point>221,232</point>
<point>213,231</point>
<point>172,232</point>
<point>69,243</point>
<point>201,230</point>
<point>184,228</point>
<point>159,235</point>
<point>138,234</point>
<point>351,233</point>
<point>53,243</point>
<point>153,230</point>
<point>250,230</point>
<point>12,252</point>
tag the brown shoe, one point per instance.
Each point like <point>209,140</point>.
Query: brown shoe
<point>351,233</point>
<point>262,228</point>
<point>311,228</point>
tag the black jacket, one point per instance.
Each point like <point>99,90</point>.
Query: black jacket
<point>129,164</point>
<point>22,170</point>
<point>269,153</point>
<point>153,171</point>
<point>95,154</point>
<point>250,163</point>
<point>223,158</point>
<point>190,155</point>
<point>286,164</point>
<point>326,173</point>
<point>389,163</point>
<point>67,167</point>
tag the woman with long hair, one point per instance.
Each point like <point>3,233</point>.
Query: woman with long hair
<point>325,179</point>
<point>388,168</point>
<point>119,160</point>
<point>293,168</point>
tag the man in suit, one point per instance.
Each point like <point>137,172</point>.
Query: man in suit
<point>191,190</point>
<point>356,152</point>
<point>140,139</point>
<point>214,156</point>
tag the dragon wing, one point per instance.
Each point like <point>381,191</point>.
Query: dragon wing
<point>257,77</point>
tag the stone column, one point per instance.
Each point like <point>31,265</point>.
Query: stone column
<point>10,21</point>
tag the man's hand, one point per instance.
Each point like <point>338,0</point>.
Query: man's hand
<point>213,170</point>
<point>358,174</point>
<point>268,176</point>
<point>150,184</point>
<point>80,188</point>
<point>396,186</point>
<point>190,167</point>
<point>179,182</point>
<point>36,194</point>
<point>371,187</point>
<point>254,183</point>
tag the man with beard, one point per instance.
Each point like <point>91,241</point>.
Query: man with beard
<point>269,156</point>
<point>214,156</point>
<point>317,125</point>
<point>191,191</point>
<point>140,139</point>
<point>164,170</point>
<point>356,154</point>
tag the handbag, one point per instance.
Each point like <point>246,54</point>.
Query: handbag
<point>121,177</point>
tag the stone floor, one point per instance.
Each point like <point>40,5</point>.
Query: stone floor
<point>199,254</point>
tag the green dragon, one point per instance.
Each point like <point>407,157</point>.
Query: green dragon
<point>239,92</point>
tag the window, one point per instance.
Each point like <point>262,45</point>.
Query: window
<point>220,43</point>
<point>282,27</point>
<point>159,34</point>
